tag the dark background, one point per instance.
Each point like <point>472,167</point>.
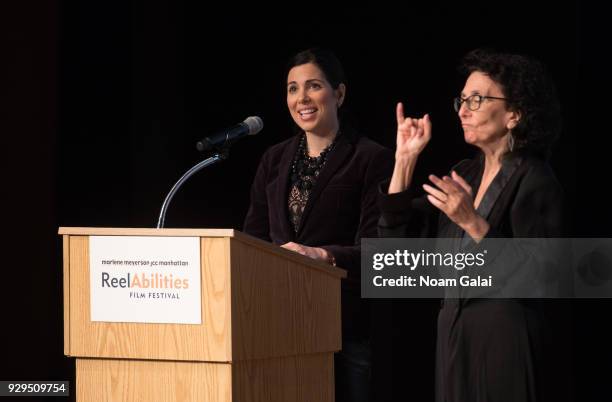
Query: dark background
<point>102,103</point>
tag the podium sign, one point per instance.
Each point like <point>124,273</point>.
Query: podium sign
<point>145,279</point>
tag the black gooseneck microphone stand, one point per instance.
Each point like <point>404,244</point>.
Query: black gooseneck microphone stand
<point>221,155</point>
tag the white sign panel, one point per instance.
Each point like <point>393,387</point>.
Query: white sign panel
<point>145,279</point>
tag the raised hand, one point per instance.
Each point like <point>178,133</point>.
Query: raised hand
<point>412,137</point>
<point>412,134</point>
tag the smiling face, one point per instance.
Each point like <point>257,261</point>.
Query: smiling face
<point>487,126</point>
<point>312,101</point>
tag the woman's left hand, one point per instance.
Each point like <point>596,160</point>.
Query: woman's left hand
<point>453,196</point>
<point>315,253</point>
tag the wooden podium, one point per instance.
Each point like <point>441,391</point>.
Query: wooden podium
<point>270,326</point>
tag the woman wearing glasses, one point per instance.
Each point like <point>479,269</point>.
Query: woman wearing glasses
<point>487,349</point>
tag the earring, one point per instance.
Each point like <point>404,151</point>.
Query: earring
<point>511,142</point>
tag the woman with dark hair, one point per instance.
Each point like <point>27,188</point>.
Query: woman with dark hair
<point>487,349</point>
<point>315,194</point>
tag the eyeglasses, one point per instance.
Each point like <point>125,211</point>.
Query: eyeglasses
<point>473,101</point>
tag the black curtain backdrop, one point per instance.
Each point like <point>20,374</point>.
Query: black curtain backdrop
<point>103,102</point>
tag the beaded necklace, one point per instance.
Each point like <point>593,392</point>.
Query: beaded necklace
<point>305,169</point>
<point>304,173</point>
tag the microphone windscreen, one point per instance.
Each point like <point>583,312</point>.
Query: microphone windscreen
<point>254,123</point>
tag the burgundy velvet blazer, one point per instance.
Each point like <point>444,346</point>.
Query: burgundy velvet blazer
<point>340,211</point>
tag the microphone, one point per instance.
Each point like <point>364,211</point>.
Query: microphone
<point>250,126</point>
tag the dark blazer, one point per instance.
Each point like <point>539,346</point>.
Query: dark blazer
<point>524,200</point>
<point>491,349</point>
<point>340,211</point>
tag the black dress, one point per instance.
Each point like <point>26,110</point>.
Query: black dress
<point>489,349</point>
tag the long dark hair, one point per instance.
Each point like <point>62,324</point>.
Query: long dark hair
<point>325,60</point>
<point>331,67</point>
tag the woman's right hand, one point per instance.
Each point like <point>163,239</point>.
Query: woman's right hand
<point>412,137</point>
<point>412,134</point>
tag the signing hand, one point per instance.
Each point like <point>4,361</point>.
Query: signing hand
<point>412,134</point>
<point>453,196</point>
